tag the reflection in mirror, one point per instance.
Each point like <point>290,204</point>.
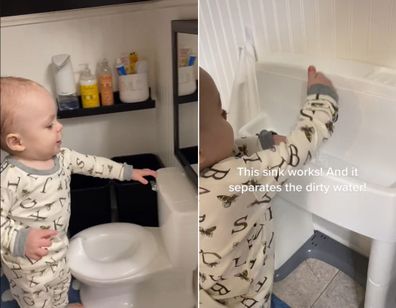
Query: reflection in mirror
<point>187,63</point>
<point>185,94</point>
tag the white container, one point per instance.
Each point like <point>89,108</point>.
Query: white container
<point>64,76</point>
<point>64,82</point>
<point>133,88</point>
<point>187,82</point>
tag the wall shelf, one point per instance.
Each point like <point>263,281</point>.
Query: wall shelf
<point>117,107</point>
<point>187,98</point>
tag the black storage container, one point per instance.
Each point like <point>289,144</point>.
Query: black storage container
<point>90,202</point>
<point>137,203</point>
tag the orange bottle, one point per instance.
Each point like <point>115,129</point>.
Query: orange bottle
<point>106,84</point>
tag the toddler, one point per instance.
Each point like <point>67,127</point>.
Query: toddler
<point>236,231</point>
<point>35,193</point>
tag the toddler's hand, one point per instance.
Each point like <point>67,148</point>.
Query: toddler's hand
<point>278,139</point>
<point>139,174</point>
<point>317,78</point>
<point>37,242</point>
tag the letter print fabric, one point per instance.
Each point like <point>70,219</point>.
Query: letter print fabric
<point>236,250</point>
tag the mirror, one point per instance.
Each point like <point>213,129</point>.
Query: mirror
<point>185,94</point>
<point>187,52</point>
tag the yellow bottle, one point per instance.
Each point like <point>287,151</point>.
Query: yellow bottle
<point>133,58</point>
<point>88,89</point>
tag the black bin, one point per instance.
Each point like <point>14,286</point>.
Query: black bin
<point>90,202</point>
<point>137,203</point>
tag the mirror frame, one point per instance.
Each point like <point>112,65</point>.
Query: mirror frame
<point>188,27</point>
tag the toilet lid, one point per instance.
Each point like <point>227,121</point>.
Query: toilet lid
<point>111,251</point>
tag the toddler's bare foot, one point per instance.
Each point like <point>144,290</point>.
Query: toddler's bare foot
<point>75,305</point>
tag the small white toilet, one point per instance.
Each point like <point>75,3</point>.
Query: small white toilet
<point>125,265</point>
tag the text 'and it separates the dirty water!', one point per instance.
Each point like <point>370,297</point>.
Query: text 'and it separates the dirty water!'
<point>289,186</point>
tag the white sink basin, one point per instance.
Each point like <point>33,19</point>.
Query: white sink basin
<point>364,139</point>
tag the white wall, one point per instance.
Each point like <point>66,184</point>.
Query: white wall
<point>28,43</point>
<point>360,30</point>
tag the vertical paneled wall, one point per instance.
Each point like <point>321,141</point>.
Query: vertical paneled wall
<point>361,30</point>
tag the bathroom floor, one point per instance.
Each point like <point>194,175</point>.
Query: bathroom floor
<point>313,284</point>
<point>318,285</point>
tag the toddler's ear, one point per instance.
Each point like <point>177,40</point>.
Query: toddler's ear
<point>14,142</point>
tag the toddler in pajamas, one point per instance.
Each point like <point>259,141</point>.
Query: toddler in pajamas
<point>236,232</point>
<point>35,194</point>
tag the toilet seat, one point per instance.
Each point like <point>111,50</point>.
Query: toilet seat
<point>110,252</point>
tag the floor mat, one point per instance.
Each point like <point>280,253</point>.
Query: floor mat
<point>278,303</point>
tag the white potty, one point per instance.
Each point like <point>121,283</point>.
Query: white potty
<point>125,265</point>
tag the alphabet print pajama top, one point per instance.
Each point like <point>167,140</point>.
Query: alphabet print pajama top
<point>236,250</point>
<point>41,199</point>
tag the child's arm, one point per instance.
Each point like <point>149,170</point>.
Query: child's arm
<point>104,167</point>
<point>18,240</point>
<point>315,123</point>
<point>11,231</point>
<point>317,84</point>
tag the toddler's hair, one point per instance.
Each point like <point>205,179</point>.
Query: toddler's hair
<point>12,90</point>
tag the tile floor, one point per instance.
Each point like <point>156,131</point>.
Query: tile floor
<point>319,285</point>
